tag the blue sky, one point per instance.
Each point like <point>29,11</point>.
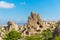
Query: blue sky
<point>19,10</point>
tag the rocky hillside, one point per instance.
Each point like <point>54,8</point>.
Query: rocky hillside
<point>35,25</point>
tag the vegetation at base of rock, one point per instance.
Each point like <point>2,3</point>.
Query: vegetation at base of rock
<point>12,35</point>
<point>57,38</point>
<point>34,37</point>
<point>46,35</point>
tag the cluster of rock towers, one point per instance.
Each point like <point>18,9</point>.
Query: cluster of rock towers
<point>35,25</point>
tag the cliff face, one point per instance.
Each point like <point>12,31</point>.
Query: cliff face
<point>34,26</point>
<point>35,20</point>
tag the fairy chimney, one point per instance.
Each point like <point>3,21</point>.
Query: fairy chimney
<point>12,26</point>
<point>34,25</point>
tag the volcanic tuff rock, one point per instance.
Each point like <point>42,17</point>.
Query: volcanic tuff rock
<point>34,26</point>
<point>12,26</point>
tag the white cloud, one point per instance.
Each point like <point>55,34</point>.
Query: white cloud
<point>4,4</point>
<point>22,3</point>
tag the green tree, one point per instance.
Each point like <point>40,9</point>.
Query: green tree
<point>47,34</point>
<point>12,35</point>
<point>57,38</point>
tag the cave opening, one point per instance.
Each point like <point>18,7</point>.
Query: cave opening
<point>27,32</point>
<point>38,23</point>
<point>41,26</point>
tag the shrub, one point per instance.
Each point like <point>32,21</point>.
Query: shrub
<point>34,37</point>
<point>57,38</point>
<point>12,35</point>
<point>47,34</point>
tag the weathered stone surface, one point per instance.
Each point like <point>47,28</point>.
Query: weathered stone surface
<point>56,31</point>
<point>34,25</point>
<point>12,26</point>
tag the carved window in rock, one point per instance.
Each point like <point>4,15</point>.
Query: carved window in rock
<point>41,26</point>
<point>38,23</point>
<point>28,27</point>
<point>27,33</point>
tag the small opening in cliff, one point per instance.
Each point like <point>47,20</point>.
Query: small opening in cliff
<point>27,32</point>
<point>28,27</point>
<point>38,23</point>
<point>41,26</point>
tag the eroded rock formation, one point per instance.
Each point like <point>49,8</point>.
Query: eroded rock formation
<point>34,26</point>
<point>57,29</point>
<point>12,26</point>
